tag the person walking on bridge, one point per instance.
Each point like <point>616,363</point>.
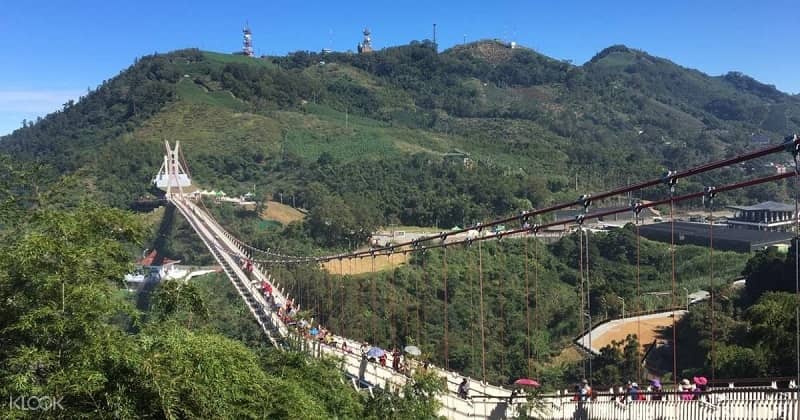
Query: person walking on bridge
<point>584,391</point>
<point>463,389</point>
<point>396,359</point>
<point>656,390</point>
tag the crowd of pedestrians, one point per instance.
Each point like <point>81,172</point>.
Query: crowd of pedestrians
<point>696,389</point>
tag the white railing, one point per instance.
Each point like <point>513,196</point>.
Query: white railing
<point>784,406</point>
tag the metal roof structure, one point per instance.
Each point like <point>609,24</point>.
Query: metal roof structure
<point>767,205</point>
<point>741,240</point>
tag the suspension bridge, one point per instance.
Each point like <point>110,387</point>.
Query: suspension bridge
<point>246,268</point>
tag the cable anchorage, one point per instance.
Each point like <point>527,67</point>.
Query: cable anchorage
<point>792,145</point>
<point>709,193</point>
<point>585,200</point>
<point>670,178</point>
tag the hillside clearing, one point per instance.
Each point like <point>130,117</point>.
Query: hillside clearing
<point>365,265</point>
<point>281,213</point>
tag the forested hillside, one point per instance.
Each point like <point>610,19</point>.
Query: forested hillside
<point>530,122</point>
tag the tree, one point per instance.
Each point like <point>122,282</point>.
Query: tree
<point>57,275</point>
<point>63,336</point>
<point>733,361</point>
<point>766,271</point>
<point>415,400</point>
<point>331,221</point>
<point>174,298</point>
<point>772,329</point>
<point>618,362</point>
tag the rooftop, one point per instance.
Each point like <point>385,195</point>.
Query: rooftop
<point>767,205</point>
<point>154,259</point>
<point>742,240</point>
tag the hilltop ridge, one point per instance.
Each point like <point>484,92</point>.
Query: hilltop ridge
<point>624,112</point>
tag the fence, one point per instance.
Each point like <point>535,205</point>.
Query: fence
<point>747,404</point>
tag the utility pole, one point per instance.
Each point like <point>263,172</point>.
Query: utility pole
<point>687,297</point>
<point>435,45</point>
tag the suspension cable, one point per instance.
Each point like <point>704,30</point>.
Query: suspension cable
<point>392,312</point>
<point>417,294</point>
<point>638,296</point>
<point>343,324</point>
<point>301,299</point>
<point>795,154</point>
<point>711,290</point>
<point>470,274</point>
<point>343,303</point>
<point>674,303</point>
<point>374,304</point>
<point>537,325</point>
<point>483,334</point>
<point>589,303</point>
<point>527,313</point>
<point>329,310</point>
<point>446,331</point>
<point>502,326</point>
<point>580,292</point>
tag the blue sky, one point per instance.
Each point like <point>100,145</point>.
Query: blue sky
<point>52,51</point>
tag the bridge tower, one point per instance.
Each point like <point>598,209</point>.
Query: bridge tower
<point>172,174</point>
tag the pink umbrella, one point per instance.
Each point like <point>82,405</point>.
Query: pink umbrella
<point>533,383</point>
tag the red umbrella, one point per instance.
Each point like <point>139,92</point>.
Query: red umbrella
<point>533,383</point>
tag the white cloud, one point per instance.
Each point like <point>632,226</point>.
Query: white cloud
<point>38,102</point>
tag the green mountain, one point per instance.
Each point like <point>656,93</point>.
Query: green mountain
<point>622,115</point>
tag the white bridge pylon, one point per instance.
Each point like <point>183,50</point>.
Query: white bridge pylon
<point>173,173</point>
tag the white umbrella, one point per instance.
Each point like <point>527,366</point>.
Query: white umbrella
<point>413,350</point>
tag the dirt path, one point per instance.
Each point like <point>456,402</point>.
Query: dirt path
<point>647,328</point>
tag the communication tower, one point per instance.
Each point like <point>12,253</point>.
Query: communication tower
<point>247,42</point>
<point>366,45</point>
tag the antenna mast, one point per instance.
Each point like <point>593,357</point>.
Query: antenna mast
<point>366,45</point>
<point>247,42</point>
